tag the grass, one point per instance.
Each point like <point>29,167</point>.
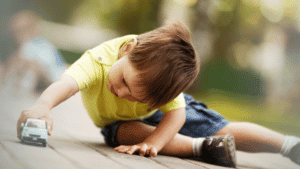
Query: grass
<point>248,109</point>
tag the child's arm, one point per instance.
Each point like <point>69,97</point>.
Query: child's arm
<point>59,91</point>
<point>168,127</point>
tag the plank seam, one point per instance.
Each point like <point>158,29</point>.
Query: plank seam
<point>13,157</point>
<point>76,164</point>
<point>98,151</point>
<point>190,161</point>
<point>160,163</point>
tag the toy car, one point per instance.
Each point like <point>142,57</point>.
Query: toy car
<point>34,130</point>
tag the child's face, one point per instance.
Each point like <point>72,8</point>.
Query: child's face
<point>122,80</point>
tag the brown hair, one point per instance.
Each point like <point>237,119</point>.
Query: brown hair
<point>167,61</point>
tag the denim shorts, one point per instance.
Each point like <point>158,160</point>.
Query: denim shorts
<point>200,122</point>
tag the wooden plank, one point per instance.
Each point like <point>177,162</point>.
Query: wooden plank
<point>175,162</point>
<point>84,157</point>
<point>23,155</point>
<point>79,154</point>
<point>129,161</point>
<point>34,156</point>
<point>205,165</point>
<point>7,160</point>
<point>264,160</point>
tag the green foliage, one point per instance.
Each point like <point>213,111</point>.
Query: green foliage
<point>70,57</point>
<point>223,76</point>
<point>129,16</point>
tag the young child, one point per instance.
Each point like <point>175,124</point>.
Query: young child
<point>29,61</point>
<point>132,88</point>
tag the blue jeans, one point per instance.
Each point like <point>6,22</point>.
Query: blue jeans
<point>200,122</point>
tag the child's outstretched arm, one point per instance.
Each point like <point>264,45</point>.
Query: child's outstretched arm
<point>56,93</point>
<point>168,127</point>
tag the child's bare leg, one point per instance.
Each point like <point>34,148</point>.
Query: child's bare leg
<point>219,150</point>
<point>135,132</point>
<point>253,138</point>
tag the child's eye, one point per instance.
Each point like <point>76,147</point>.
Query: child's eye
<point>124,81</point>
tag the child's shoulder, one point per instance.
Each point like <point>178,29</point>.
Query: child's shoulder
<point>107,52</point>
<point>116,42</point>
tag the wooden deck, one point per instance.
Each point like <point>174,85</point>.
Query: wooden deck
<point>77,143</point>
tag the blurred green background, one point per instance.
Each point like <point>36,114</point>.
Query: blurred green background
<point>249,49</point>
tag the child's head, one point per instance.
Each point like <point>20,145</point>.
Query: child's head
<point>24,25</point>
<point>162,64</point>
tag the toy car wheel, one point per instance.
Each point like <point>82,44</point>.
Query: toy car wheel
<point>22,141</point>
<point>44,144</point>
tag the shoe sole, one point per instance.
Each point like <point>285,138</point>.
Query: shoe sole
<point>230,148</point>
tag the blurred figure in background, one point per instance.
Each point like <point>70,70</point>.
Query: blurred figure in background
<point>36,63</point>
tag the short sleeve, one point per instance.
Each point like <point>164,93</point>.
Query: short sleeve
<point>177,103</point>
<point>86,71</point>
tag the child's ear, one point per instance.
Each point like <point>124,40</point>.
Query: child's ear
<point>130,45</point>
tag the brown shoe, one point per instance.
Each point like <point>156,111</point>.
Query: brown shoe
<point>219,150</point>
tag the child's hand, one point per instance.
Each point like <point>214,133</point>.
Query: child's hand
<point>36,112</point>
<point>142,148</point>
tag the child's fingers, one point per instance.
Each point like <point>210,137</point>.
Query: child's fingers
<point>49,126</point>
<point>133,149</point>
<point>122,149</point>
<point>143,150</point>
<point>153,152</point>
<point>22,119</point>
<point>148,152</point>
<point>116,148</point>
<point>49,122</point>
<point>19,127</point>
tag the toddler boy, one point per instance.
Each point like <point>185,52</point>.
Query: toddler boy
<point>132,88</point>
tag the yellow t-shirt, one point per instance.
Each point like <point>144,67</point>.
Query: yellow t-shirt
<point>90,72</point>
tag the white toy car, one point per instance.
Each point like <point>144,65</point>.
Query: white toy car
<point>34,130</point>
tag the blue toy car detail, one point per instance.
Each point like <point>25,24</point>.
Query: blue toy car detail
<point>34,130</point>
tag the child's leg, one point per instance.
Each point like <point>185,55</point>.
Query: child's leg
<point>219,150</point>
<point>135,132</point>
<point>253,138</point>
<point>248,137</point>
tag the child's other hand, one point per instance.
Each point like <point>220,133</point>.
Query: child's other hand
<point>36,112</point>
<point>142,148</point>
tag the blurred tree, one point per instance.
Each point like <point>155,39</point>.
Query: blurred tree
<point>234,24</point>
<point>230,22</point>
<point>136,17</point>
<point>240,21</point>
<point>54,10</point>
<point>124,16</point>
